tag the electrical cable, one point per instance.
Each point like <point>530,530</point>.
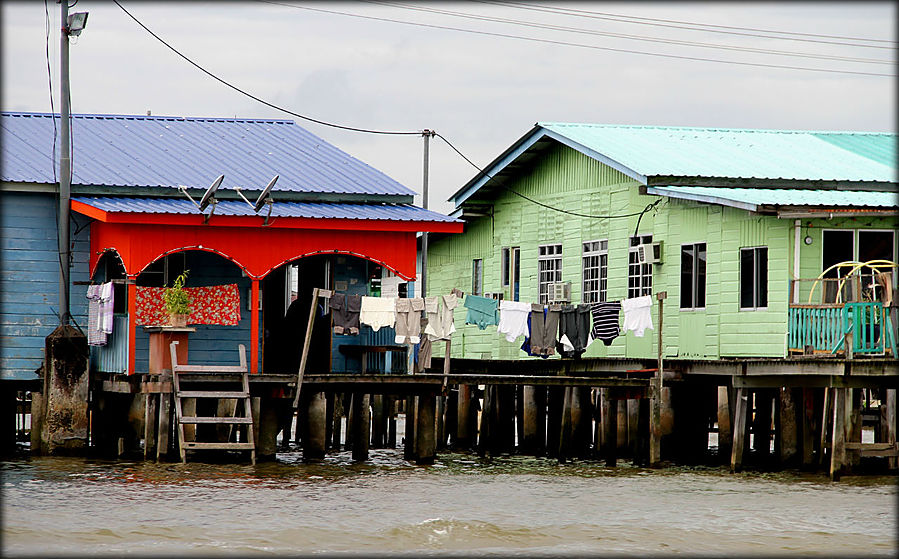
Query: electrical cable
<point>263,101</point>
<point>581,45</point>
<point>686,25</point>
<point>581,30</point>
<point>50,84</point>
<point>482,172</point>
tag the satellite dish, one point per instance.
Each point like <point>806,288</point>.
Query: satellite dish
<point>265,194</point>
<point>210,192</point>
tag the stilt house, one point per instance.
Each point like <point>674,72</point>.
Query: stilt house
<point>769,243</point>
<point>330,221</point>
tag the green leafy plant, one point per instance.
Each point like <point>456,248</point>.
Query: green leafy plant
<point>177,301</point>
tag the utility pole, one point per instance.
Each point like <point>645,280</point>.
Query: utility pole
<point>426,135</point>
<point>65,166</point>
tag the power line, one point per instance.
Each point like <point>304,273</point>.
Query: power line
<point>688,25</point>
<point>263,101</point>
<point>50,85</point>
<point>581,45</point>
<point>581,30</point>
<point>482,172</point>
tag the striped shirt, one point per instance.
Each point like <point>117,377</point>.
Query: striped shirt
<point>605,321</point>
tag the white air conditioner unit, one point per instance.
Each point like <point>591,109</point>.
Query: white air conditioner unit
<point>560,292</point>
<point>650,253</point>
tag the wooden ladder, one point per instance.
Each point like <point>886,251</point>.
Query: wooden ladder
<point>213,374</point>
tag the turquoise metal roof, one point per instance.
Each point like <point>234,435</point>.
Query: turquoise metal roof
<point>752,198</point>
<point>739,153</point>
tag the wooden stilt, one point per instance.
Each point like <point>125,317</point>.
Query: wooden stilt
<point>761,426</point>
<point>391,421</point>
<point>329,421</point>
<point>838,439</point>
<point>150,425</point>
<point>621,437</point>
<point>505,419</point>
<point>450,420</point>
<point>787,433</point>
<point>853,427</point>
<point>361,433</point>
<point>888,422</point>
<point>464,426</point>
<point>641,455</point>
<point>409,436</point>
<point>655,422</point>
<point>378,422</point>
<point>564,450</point>
<point>806,429</point>
<point>426,442</point>
<point>314,412</point>
<point>485,431</point>
<point>440,426</point>
<point>632,406</point>
<point>519,417</point>
<point>725,427</point>
<point>826,419</point>
<point>528,443</point>
<point>339,414</point>
<point>555,401</point>
<point>610,428</point>
<point>164,427</point>
<point>741,410</point>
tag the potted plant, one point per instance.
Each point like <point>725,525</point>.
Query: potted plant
<point>177,302</point>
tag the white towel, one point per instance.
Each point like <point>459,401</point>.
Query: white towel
<point>637,315</point>
<point>513,319</point>
<point>378,312</point>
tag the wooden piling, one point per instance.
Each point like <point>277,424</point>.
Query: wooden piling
<point>741,410</point>
<point>632,407</point>
<point>378,422</point>
<point>788,432</point>
<point>37,419</point>
<point>555,401</point>
<point>609,428</point>
<point>806,429</point>
<point>826,420</point>
<point>464,426</point>
<point>853,427</point>
<point>564,450</point>
<point>641,455</point>
<point>505,419</point>
<point>440,422</point>
<point>486,429</point>
<point>164,427</point>
<point>314,412</point>
<point>361,433</point>
<point>426,442</point>
<point>887,421</point>
<point>838,438</point>
<point>761,426</point>
<point>725,427</point>
<point>150,425</point>
<point>391,405</point>
<point>411,418</point>
<point>450,419</point>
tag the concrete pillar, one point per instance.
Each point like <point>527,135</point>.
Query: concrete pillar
<point>315,419</point>
<point>66,386</point>
<point>361,433</point>
<point>267,441</point>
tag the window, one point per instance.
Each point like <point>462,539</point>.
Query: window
<point>549,269</point>
<point>692,276</point>
<point>477,276</point>
<point>595,271</point>
<point>162,273</point>
<point>753,278</point>
<point>506,267</point>
<point>639,276</point>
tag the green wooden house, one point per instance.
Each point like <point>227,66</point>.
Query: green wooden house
<point>735,225</point>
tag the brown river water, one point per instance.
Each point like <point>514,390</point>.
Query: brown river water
<point>461,506</point>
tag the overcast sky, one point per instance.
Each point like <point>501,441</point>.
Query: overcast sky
<point>482,92</point>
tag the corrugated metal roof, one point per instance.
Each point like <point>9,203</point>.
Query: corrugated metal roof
<point>318,210</point>
<point>160,151</point>
<point>740,153</point>
<point>779,197</point>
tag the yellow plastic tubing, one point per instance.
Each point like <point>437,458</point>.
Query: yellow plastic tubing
<point>875,265</point>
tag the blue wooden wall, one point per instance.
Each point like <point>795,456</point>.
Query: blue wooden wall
<point>29,279</point>
<point>210,344</point>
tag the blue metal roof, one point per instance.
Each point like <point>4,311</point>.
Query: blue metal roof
<point>752,198</point>
<point>740,153</point>
<point>160,151</point>
<point>319,210</point>
<point>648,154</point>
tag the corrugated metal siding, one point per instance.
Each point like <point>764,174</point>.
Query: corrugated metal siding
<point>739,153</point>
<point>387,212</point>
<point>113,357</point>
<point>117,150</point>
<point>29,280</point>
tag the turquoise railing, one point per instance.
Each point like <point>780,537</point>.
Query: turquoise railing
<point>816,326</point>
<point>870,327</point>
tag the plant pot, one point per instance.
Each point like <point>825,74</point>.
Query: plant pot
<point>178,320</point>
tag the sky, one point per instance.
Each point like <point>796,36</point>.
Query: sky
<point>454,68</point>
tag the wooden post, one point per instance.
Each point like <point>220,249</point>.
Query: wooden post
<point>761,427</point>
<point>633,428</point>
<point>790,417</point>
<point>164,429</point>
<point>564,451</point>
<point>853,427</point>
<point>609,428</point>
<point>655,416</point>
<point>838,439</point>
<point>410,419</point>
<point>528,443</point>
<point>827,416</point>
<point>391,421</point>
<point>725,429</point>
<point>339,413</point>
<point>622,422</point>
<point>463,413</point>
<point>440,426</point>
<point>887,419</point>
<point>505,418</point>
<point>426,442</point>
<point>37,419</point>
<point>641,455</point>
<point>485,432</point>
<point>741,409</point>
<point>316,293</point>
<point>314,416</point>
<point>555,400</point>
<point>361,432</point>
<point>150,425</point>
<point>329,420</point>
<point>378,422</point>
<point>450,420</point>
<point>805,430</point>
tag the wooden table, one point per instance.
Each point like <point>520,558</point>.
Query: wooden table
<point>362,351</point>
<point>160,339</point>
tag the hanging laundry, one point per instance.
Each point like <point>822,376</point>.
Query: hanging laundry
<point>605,321</point>
<point>544,329</point>
<point>107,302</point>
<point>95,336</point>
<point>378,312</point>
<point>637,315</point>
<point>441,320</point>
<point>408,319</point>
<point>481,311</point>
<point>513,319</point>
<point>345,313</point>
<point>424,353</point>
<point>574,330</point>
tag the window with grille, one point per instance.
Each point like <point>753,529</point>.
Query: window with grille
<point>595,271</point>
<point>692,276</point>
<point>549,269</point>
<point>639,276</point>
<point>753,278</point>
